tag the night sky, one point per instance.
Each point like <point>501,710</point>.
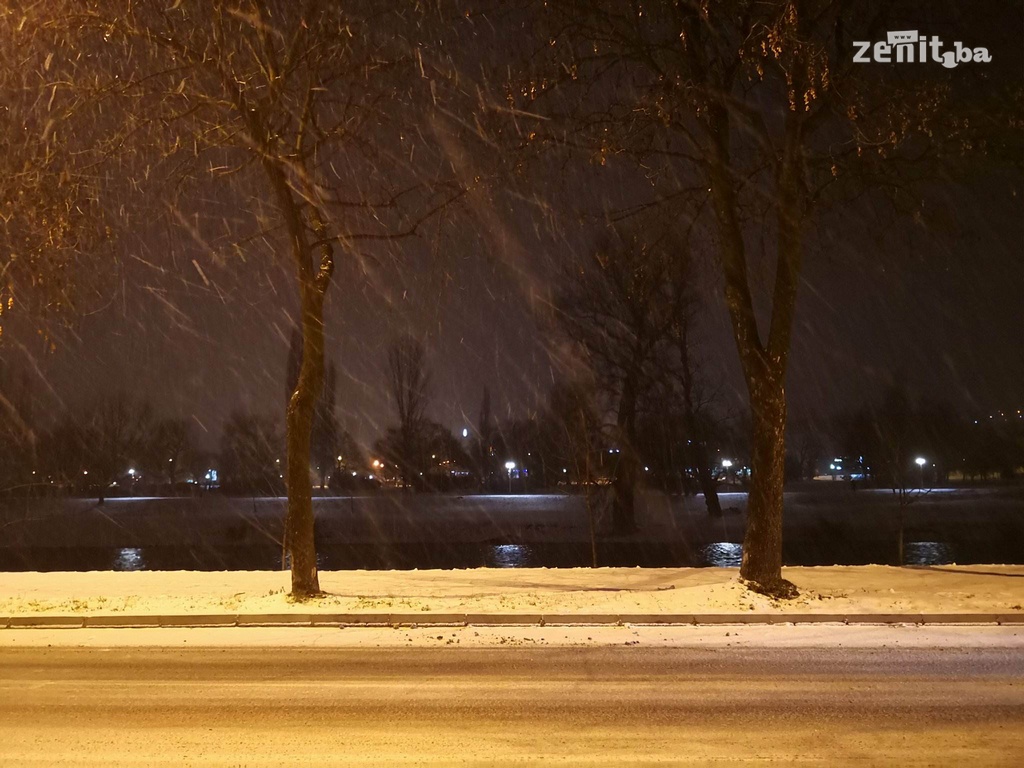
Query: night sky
<point>878,305</point>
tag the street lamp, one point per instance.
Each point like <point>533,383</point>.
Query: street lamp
<point>510,465</point>
<point>727,465</point>
<point>921,461</point>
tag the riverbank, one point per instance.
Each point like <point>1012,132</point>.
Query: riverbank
<point>510,596</point>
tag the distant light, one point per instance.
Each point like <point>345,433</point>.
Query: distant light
<point>131,472</point>
<point>510,465</point>
<point>465,432</point>
<point>171,459</point>
<point>564,471</point>
<point>339,459</point>
<point>831,466</point>
<point>85,471</point>
<point>726,463</point>
<point>354,474</point>
<point>647,469</point>
<point>920,461</point>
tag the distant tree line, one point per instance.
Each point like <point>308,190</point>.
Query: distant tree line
<point>118,445</point>
<point>883,440</point>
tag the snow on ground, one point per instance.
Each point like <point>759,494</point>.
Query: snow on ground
<point>617,591</point>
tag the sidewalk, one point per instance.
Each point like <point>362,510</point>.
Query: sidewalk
<point>864,594</point>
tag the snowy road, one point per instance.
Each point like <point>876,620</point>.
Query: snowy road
<point>501,705</point>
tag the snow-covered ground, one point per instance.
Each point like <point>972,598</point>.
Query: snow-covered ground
<point>583,592</point>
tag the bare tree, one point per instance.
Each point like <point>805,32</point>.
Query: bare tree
<point>293,109</point>
<point>170,449</point>
<point>754,116</point>
<point>408,385</point>
<point>619,307</point>
<point>250,450</point>
<point>116,432</point>
<point>696,405</point>
<point>575,426</point>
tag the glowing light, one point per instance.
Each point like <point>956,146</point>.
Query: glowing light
<point>920,461</point>
<point>726,463</point>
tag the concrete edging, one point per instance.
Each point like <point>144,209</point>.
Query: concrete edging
<point>491,619</point>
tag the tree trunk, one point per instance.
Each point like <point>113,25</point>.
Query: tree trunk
<point>624,508</point>
<point>299,524</point>
<point>764,365</point>
<point>762,544</point>
<point>313,283</point>
<point>624,484</point>
<point>708,485</point>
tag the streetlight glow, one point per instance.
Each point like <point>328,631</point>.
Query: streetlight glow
<point>920,461</point>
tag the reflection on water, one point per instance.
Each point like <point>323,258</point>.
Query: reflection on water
<point>408,555</point>
<point>722,554</point>
<point>928,553</point>
<point>129,559</point>
<point>509,556</point>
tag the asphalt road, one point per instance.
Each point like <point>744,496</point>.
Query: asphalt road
<point>521,705</point>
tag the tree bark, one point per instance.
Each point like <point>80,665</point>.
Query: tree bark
<point>299,524</point>
<point>762,543</point>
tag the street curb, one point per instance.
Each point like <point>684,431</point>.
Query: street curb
<point>426,619</point>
